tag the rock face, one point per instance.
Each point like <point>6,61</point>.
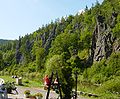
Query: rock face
<point>102,40</point>
<point>113,19</point>
<point>50,38</point>
<point>19,56</point>
<point>46,41</point>
<point>116,46</point>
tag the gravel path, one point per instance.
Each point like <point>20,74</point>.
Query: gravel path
<point>21,90</point>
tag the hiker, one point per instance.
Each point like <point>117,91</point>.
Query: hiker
<point>56,82</point>
<point>46,81</point>
<point>55,86</point>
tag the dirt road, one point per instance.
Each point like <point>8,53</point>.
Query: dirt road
<point>21,90</point>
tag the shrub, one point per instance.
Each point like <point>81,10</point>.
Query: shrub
<point>9,86</point>
<point>110,86</point>
<point>39,95</point>
<point>26,81</point>
<point>27,92</point>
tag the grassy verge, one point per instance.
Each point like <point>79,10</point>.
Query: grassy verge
<point>7,78</point>
<point>89,89</point>
<point>32,83</point>
<point>25,82</point>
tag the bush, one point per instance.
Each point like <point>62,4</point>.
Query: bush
<point>39,95</point>
<point>9,86</point>
<point>104,70</point>
<point>110,86</point>
<point>26,81</point>
<point>27,92</point>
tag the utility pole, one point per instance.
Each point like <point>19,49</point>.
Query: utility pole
<point>59,86</point>
<point>47,97</point>
<point>76,85</point>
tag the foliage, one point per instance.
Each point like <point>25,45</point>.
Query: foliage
<point>104,70</point>
<point>39,95</point>
<point>7,78</point>
<point>116,29</point>
<point>8,86</point>
<point>1,60</point>
<point>28,82</point>
<point>64,45</point>
<point>110,86</point>
<point>63,42</point>
<point>54,64</point>
<point>3,41</point>
<point>84,54</point>
<point>27,92</point>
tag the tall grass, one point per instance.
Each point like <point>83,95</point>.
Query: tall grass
<point>25,82</point>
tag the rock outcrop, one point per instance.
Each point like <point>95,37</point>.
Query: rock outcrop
<point>46,40</point>
<point>102,40</point>
<point>116,45</point>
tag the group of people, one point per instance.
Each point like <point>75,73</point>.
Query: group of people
<point>47,82</point>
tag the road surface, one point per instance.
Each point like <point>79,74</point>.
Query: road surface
<point>21,90</point>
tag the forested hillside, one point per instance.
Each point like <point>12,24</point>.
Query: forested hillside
<point>3,41</point>
<point>86,43</point>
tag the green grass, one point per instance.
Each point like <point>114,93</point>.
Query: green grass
<point>90,88</point>
<point>7,78</point>
<point>26,82</point>
<point>31,83</point>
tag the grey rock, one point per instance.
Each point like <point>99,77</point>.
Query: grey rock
<point>113,19</point>
<point>102,40</point>
<point>116,45</point>
<point>48,37</point>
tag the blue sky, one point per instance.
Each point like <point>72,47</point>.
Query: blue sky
<point>20,17</point>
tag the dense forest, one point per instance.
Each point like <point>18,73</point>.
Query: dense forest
<point>4,41</point>
<point>87,43</point>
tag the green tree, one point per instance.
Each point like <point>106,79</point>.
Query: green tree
<point>1,61</point>
<point>116,29</point>
<point>63,42</point>
<point>40,53</point>
<point>56,64</point>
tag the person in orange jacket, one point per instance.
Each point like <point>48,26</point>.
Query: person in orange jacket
<point>46,81</point>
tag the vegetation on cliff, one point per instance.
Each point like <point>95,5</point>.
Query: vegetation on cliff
<point>88,43</point>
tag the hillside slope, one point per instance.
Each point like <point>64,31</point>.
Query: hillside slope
<point>88,43</point>
<point>3,41</point>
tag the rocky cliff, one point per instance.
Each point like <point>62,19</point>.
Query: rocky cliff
<point>103,42</point>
